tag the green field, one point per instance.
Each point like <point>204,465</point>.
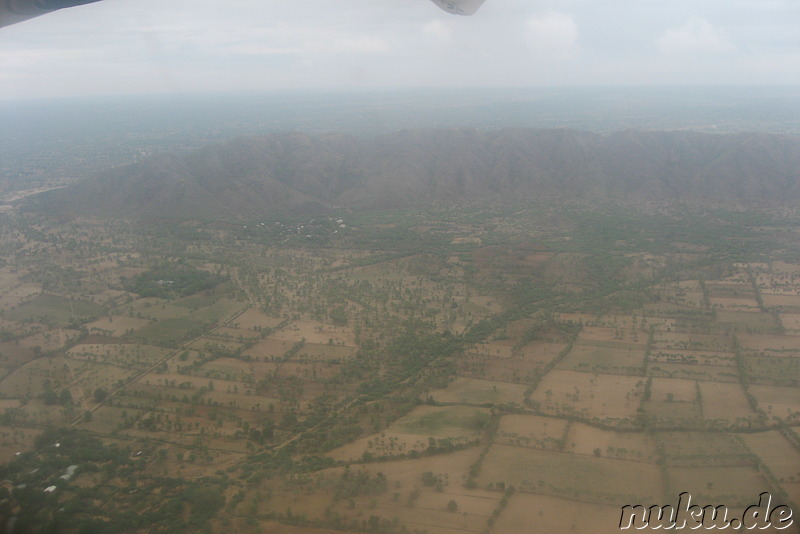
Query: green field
<point>54,310</point>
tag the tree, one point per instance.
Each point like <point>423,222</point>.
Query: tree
<point>65,398</point>
<point>452,506</point>
<point>100,394</point>
<point>50,397</point>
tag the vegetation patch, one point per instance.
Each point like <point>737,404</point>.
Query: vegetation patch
<point>54,310</point>
<point>171,281</point>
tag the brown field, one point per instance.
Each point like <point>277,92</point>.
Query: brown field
<point>28,380</point>
<point>236,334</point>
<point>380,445</point>
<point>776,401</point>
<point>783,370</point>
<point>315,371</point>
<point>576,443</point>
<point>90,376</point>
<point>466,241</point>
<point>315,332</point>
<point>733,486</point>
<point>218,312</point>
<point>772,342</point>
<point>504,369</point>
<point>780,301</point>
<point>408,472</point>
<point>476,391</point>
<point>37,413</point>
<point>673,414</point>
<point>531,431</point>
<point>783,267</point>
<point>760,322</point>
<point>590,395</point>
<point>612,358</point>
<point>117,325</point>
<point>725,401</point>
<point>15,354</point>
<point>493,350</point>
<point>107,419</point>
<point>543,514</point>
<point>430,515</point>
<point>680,390</point>
<point>585,478</point>
<point>790,321</point>
<point>16,293</point>
<point>697,448</point>
<point>268,348</point>
<point>404,476</point>
<point>692,299</point>
<point>226,369</point>
<point>662,314</point>
<point>540,352</point>
<point>776,452</point>
<point>461,424</point>
<point>253,319</point>
<point>623,334</point>
<point>17,328</point>
<point>6,404</point>
<point>685,340</point>
<point>50,339</point>
<point>636,446</point>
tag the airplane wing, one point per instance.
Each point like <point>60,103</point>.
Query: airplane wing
<point>459,7</point>
<point>13,11</point>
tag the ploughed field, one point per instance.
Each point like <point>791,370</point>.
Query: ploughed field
<point>465,370</point>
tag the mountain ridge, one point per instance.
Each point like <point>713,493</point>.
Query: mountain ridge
<point>296,172</point>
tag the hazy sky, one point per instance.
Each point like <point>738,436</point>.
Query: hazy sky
<point>187,46</point>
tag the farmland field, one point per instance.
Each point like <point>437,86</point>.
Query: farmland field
<point>412,374</point>
<point>476,391</point>
<point>584,478</point>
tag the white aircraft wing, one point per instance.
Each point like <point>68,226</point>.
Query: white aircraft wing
<point>459,7</point>
<point>13,11</point>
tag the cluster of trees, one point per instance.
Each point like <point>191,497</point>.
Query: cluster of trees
<point>171,280</point>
